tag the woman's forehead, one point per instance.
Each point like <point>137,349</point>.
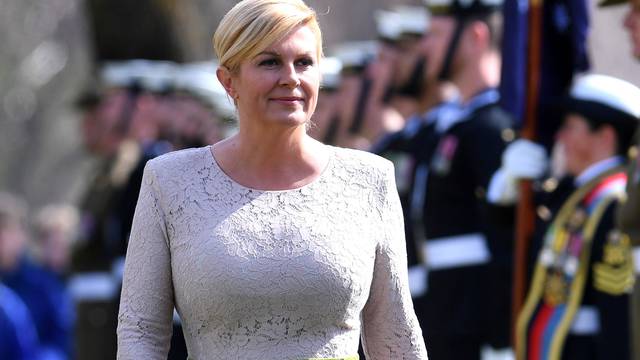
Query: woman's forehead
<point>302,40</point>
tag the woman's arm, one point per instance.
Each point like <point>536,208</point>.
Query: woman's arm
<point>390,328</point>
<point>146,303</point>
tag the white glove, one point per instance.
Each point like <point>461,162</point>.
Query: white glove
<point>522,159</point>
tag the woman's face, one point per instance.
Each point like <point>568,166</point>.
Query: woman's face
<point>279,85</point>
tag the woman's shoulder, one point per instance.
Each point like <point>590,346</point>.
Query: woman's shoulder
<point>179,161</point>
<point>363,161</point>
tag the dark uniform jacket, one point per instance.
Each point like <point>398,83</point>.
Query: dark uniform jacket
<point>577,304</point>
<point>406,149</point>
<point>474,297</point>
<point>629,212</point>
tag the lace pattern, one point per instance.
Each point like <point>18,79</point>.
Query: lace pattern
<point>268,274</point>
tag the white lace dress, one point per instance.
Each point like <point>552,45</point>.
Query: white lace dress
<point>254,274</point>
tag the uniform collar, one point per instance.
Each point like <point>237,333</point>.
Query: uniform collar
<point>419,121</point>
<point>596,169</point>
<point>459,112</point>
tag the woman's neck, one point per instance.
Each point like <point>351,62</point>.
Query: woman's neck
<point>272,160</point>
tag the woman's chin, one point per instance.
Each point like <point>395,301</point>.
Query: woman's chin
<point>291,119</point>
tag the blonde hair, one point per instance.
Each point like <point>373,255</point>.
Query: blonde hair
<point>253,25</point>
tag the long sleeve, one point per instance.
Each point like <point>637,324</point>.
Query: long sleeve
<point>390,327</point>
<point>146,304</point>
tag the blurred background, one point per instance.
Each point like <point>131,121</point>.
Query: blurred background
<point>52,50</point>
<point>58,59</point>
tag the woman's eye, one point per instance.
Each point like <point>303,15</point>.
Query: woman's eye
<point>268,62</point>
<point>305,62</point>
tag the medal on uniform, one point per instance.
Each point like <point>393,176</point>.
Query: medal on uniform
<point>403,163</point>
<point>441,163</point>
<point>555,289</point>
<point>576,220</point>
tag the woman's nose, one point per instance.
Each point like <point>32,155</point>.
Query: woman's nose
<point>289,76</point>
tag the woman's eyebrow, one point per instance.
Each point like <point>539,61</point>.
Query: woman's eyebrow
<point>271,53</point>
<point>276,54</point>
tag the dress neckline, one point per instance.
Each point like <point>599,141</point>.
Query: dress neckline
<point>311,183</point>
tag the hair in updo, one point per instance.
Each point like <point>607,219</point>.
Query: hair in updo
<point>253,25</point>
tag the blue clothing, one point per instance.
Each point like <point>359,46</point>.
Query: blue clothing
<point>18,337</point>
<point>563,53</point>
<point>50,305</point>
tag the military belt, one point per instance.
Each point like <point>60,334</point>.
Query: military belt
<point>456,251</point>
<point>586,321</point>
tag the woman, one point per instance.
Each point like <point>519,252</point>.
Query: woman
<point>269,244</point>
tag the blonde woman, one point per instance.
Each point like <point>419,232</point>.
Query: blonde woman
<point>269,244</point>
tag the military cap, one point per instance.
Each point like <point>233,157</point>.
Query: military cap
<point>387,25</point>
<point>604,99</point>
<point>355,55</point>
<point>200,81</point>
<point>330,68</point>
<point>152,76</point>
<point>462,7</point>
<point>611,2</point>
<point>393,24</point>
<point>412,20</point>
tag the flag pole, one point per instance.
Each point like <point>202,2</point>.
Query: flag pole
<point>525,215</point>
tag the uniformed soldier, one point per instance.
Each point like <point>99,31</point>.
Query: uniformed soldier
<point>400,32</point>
<point>409,148</point>
<point>325,122</point>
<point>467,301</point>
<point>121,132</point>
<point>353,94</point>
<point>577,304</point>
<point>629,211</point>
<point>92,283</point>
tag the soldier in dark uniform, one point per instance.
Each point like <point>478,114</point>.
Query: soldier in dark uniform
<point>92,283</point>
<point>121,132</point>
<point>577,305</point>
<point>353,93</point>
<point>629,211</point>
<point>468,262</point>
<point>324,124</point>
<point>400,32</point>
<point>410,146</point>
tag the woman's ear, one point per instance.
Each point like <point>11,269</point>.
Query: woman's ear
<point>225,78</point>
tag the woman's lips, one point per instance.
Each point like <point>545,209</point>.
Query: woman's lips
<point>288,99</point>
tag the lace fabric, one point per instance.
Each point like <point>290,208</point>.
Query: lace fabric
<point>254,274</point>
